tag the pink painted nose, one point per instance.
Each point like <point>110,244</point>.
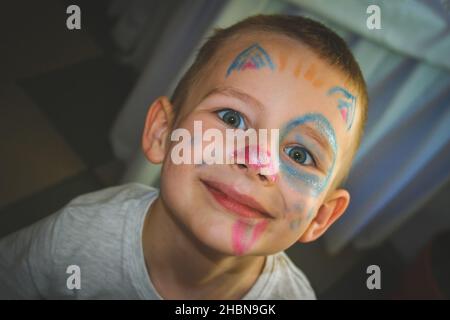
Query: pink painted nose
<point>256,159</point>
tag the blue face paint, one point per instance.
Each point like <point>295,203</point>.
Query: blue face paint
<point>260,60</point>
<point>347,106</point>
<point>297,178</point>
<point>297,207</point>
<point>310,214</point>
<point>294,224</point>
<point>311,145</point>
<point>254,57</point>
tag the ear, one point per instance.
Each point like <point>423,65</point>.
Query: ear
<point>158,123</point>
<point>333,207</point>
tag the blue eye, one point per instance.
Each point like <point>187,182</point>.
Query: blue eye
<point>232,118</point>
<point>300,155</point>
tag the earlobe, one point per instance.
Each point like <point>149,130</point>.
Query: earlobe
<point>158,123</point>
<point>331,210</point>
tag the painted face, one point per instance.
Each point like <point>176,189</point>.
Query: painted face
<point>271,84</point>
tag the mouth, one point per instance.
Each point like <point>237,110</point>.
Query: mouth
<point>240,204</point>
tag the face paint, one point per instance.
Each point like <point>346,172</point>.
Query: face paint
<point>297,207</point>
<point>310,214</point>
<point>296,177</point>
<point>318,83</point>
<point>311,72</point>
<point>244,236</point>
<point>346,106</point>
<point>282,61</point>
<point>254,57</point>
<point>297,69</point>
<point>294,224</point>
<point>311,145</point>
<point>258,159</point>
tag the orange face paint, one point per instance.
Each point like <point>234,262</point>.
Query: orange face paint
<point>318,83</point>
<point>297,69</point>
<point>282,61</point>
<point>311,72</point>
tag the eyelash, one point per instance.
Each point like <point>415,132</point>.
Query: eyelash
<point>308,154</point>
<point>242,121</point>
<point>222,112</point>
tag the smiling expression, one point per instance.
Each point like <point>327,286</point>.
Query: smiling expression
<point>272,83</point>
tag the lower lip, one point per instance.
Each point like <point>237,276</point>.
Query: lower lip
<point>234,206</point>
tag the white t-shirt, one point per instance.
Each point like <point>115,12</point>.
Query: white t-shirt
<point>95,242</point>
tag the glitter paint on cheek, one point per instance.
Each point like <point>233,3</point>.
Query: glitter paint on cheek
<point>302,181</point>
<point>294,224</point>
<point>297,207</point>
<point>297,178</point>
<point>244,236</point>
<point>310,214</point>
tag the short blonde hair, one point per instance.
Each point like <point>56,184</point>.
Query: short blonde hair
<point>324,42</point>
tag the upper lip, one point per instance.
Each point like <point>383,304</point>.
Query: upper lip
<point>243,199</point>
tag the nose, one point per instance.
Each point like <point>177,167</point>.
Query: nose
<point>256,162</point>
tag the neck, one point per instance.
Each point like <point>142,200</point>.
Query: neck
<point>180,266</point>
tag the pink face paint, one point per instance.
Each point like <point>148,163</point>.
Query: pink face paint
<point>344,114</point>
<point>244,235</point>
<point>249,65</point>
<point>256,159</point>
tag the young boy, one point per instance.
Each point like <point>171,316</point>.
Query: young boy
<point>214,230</point>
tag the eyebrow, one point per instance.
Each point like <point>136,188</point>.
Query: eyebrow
<point>318,137</point>
<point>237,94</point>
<point>312,132</point>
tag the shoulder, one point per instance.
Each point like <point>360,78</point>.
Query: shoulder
<point>98,232</point>
<point>112,195</point>
<point>289,282</point>
<point>101,214</point>
<point>110,203</point>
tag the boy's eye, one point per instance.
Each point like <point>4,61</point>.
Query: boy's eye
<point>232,118</point>
<point>300,155</point>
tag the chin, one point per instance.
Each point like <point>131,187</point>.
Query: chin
<point>210,226</point>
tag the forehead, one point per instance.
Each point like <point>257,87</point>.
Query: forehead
<point>286,77</point>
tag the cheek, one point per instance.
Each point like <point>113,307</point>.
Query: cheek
<point>173,178</point>
<point>300,209</point>
<point>298,183</point>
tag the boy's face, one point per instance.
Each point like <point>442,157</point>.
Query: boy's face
<point>268,83</point>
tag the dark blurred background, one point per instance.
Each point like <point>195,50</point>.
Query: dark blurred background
<point>65,119</point>
<point>60,93</point>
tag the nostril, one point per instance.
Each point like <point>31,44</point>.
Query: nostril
<point>262,177</point>
<point>242,166</point>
